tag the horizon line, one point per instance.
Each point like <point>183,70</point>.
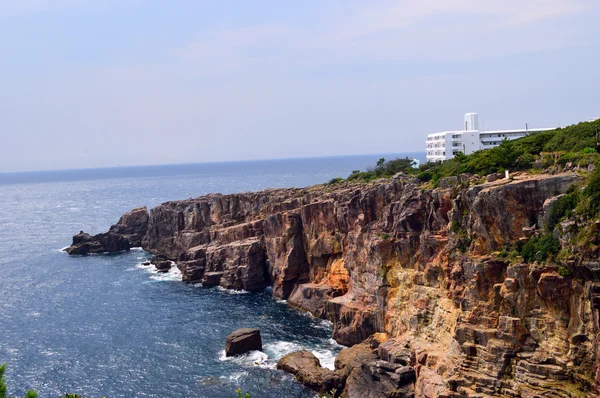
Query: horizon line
<point>199,163</point>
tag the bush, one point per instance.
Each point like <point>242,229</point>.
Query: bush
<point>564,271</point>
<point>563,208</point>
<point>384,169</point>
<point>334,181</point>
<point>455,227</point>
<point>240,394</point>
<point>539,249</point>
<point>575,142</point>
<point>592,193</point>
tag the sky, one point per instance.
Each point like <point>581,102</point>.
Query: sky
<point>99,83</point>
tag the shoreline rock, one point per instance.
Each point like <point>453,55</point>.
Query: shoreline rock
<point>416,265</point>
<point>125,234</point>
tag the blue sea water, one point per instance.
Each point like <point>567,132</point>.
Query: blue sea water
<point>104,325</point>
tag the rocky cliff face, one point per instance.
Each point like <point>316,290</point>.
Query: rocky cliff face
<point>414,266</point>
<point>124,235</point>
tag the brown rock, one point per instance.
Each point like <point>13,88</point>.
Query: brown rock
<point>243,340</point>
<point>308,371</point>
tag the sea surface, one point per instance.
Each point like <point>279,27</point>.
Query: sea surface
<point>103,325</point>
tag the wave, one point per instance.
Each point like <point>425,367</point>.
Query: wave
<point>273,352</point>
<point>326,357</point>
<point>174,273</point>
<point>231,291</point>
<point>280,348</point>
<point>251,358</point>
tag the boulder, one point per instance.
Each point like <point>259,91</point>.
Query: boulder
<point>307,369</point>
<point>243,340</point>
<point>163,266</point>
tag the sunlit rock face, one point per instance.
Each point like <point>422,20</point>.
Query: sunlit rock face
<point>414,265</point>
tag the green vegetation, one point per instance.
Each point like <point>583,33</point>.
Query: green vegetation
<point>455,227</point>
<point>574,144</point>
<point>29,393</point>
<point>540,249</point>
<point>563,208</point>
<point>384,169</point>
<point>241,394</point>
<point>3,387</point>
<point>564,271</point>
<point>592,193</point>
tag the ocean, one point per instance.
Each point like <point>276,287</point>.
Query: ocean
<point>103,325</point>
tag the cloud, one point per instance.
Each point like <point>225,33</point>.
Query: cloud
<point>361,77</point>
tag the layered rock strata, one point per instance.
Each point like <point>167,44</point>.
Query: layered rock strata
<point>414,264</point>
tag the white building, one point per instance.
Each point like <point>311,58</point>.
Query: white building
<point>444,145</point>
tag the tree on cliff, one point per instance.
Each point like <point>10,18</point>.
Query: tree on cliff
<point>3,387</point>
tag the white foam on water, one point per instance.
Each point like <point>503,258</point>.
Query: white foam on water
<point>137,249</point>
<point>235,377</point>
<point>64,249</point>
<point>281,301</point>
<point>231,291</point>
<point>323,324</point>
<point>174,274</point>
<point>251,358</point>
<point>280,348</point>
<point>326,357</point>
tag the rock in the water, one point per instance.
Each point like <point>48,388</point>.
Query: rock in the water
<point>163,266</point>
<point>307,369</point>
<point>122,236</point>
<point>243,340</point>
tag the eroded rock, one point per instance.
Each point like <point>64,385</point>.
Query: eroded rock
<point>243,340</point>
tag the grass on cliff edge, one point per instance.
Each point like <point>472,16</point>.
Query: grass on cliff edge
<point>573,144</point>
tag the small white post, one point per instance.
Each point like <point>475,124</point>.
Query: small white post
<point>506,175</point>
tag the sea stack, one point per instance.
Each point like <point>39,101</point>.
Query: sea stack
<point>243,340</point>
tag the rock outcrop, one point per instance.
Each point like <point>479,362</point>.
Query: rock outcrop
<point>414,265</point>
<point>243,340</point>
<point>122,236</point>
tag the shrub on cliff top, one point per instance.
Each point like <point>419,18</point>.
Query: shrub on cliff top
<point>384,169</point>
<point>576,142</point>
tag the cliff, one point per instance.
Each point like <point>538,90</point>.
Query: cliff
<point>412,277</point>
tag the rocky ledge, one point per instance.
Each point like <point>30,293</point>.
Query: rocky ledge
<point>122,236</point>
<point>410,264</point>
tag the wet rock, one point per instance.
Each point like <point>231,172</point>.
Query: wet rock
<point>163,266</point>
<point>308,371</point>
<point>243,340</point>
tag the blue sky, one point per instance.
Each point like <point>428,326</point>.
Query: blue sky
<point>105,83</point>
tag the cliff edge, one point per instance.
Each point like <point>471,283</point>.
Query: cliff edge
<point>417,280</point>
